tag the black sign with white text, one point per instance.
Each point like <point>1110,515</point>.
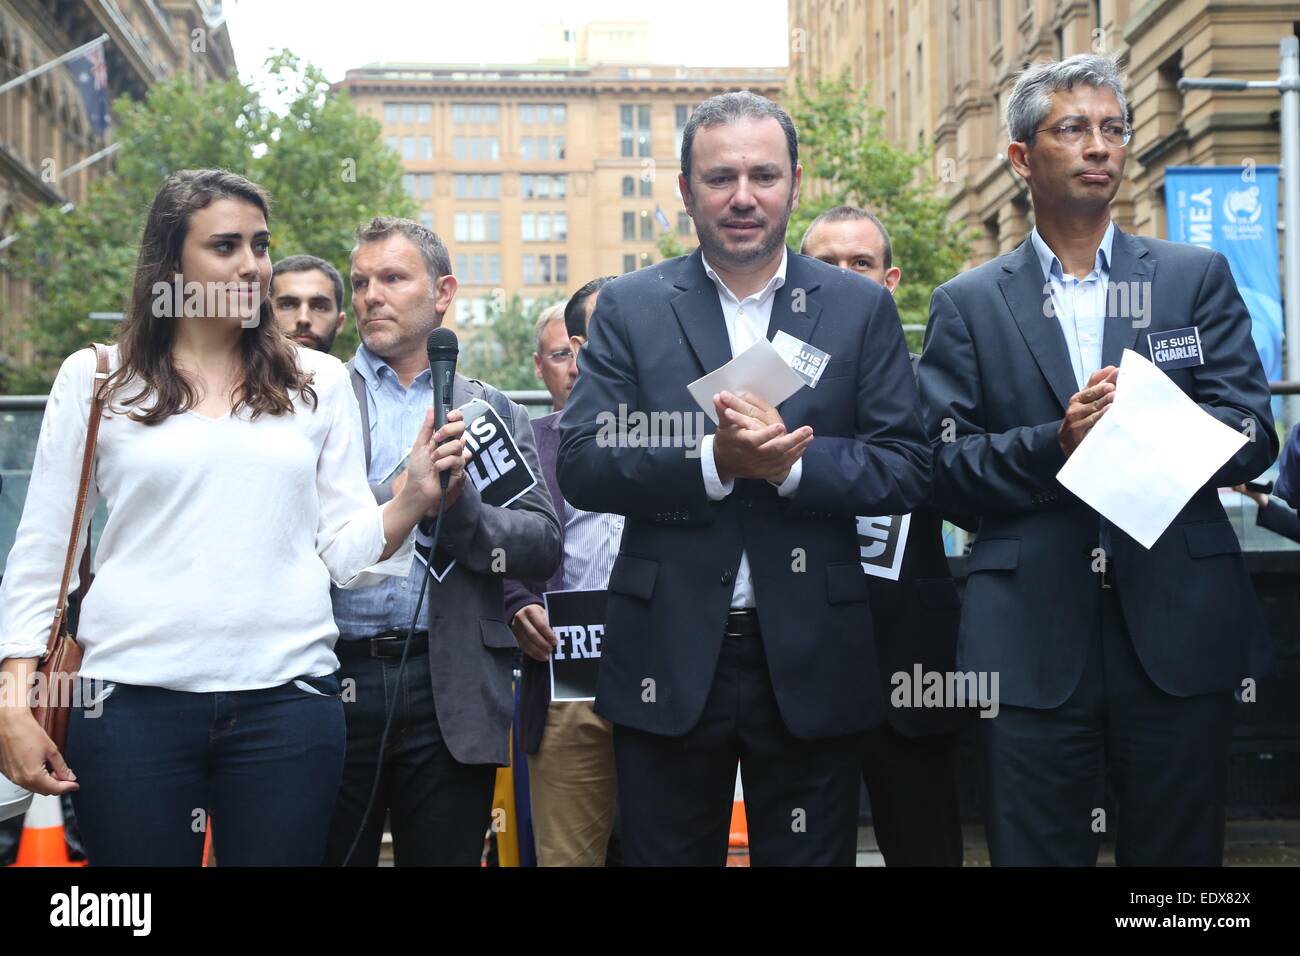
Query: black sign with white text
<point>497,469</point>
<point>577,619</point>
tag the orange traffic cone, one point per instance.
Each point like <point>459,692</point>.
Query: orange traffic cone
<point>42,843</point>
<point>208,858</point>
<point>738,839</point>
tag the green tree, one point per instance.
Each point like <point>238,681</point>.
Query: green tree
<point>323,163</point>
<point>670,247</point>
<point>846,152</point>
<point>502,353</point>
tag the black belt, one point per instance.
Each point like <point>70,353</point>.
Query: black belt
<point>388,644</point>
<point>742,622</point>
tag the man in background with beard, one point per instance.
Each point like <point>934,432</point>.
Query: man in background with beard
<point>307,300</point>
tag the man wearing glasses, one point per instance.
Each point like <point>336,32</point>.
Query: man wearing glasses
<point>570,747</point>
<point>1116,663</point>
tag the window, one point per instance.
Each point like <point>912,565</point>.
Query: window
<point>680,115</point>
<point>557,147</point>
<point>625,134</point>
<point>425,111</point>
<point>544,269</point>
<point>629,225</point>
<point>426,220</point>
<point>526,114</point>
<point>647,187</point>
<point>426,147</point>
<point>629,263</point>
<point>461,263</point>
<point>476,227</point>
<point>530,270</point>
<point>629,186</point>
<point>562,269</point>
<point>408,112</point>
<point>560,222</point>
<point>418,185</point>
<point>542,187</point>
<point>408,147</point>
<point>542,147</point>
<point>647,225</point>
<point>458,112</point>
<point>494,269</point>
<point>477,186</point>
<point>527,227</point>
<point>394,143</point>
<point>458,150</point>
<point>683,224</point>
<point>475,147</point>
<point>558,114</point>
<point>474,113</point>
<point>392,112</point>
<point>525,147</point>
<point>543,226</point>
<point>643,130</point>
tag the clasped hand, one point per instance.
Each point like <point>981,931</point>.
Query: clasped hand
<point>752,441</point>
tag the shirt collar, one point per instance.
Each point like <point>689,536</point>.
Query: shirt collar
<point>372,367</point>
<point>1051,265</point>
<point>774,283</point>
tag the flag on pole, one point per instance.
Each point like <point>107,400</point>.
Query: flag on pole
<point>662,219</point>
<point>90,71</point>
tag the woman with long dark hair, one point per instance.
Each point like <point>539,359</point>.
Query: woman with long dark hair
<point>231,464</point>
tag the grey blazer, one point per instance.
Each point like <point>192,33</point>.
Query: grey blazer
<point>471,646</point>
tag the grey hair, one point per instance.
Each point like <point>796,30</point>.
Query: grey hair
<point>725,109</point>
<point>552,313</point>
<point>432,249</point>
<point>1031,98</point>
<point>850,214</point>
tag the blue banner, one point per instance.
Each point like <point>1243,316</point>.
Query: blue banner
<point>1233,210</point>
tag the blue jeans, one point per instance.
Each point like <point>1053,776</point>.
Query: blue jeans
<point>155,764</point>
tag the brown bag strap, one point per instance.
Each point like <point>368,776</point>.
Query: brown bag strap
<point>83,492</point>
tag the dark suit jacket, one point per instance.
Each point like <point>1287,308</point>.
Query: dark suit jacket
<point>535,687</point>
<point>655,331</point>
<point>915,620</point>
<point>995,369</point>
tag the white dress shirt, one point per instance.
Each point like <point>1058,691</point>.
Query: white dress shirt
<point>1080,304</point>
<point>747,321</point>
<point>214,567</point>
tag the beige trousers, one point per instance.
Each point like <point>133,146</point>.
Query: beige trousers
<point>571,785</point>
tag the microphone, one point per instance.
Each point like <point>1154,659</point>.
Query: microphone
<point>443,350</point>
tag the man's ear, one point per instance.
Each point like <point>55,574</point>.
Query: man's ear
<point>1018,157</point>
<point>338,326</point>
<point>537,367</point>
<point>892,275</point>
<point>445,291</point>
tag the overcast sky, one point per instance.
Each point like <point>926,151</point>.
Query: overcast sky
<point>338,36</point>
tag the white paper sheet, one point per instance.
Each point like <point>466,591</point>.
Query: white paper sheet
<point>1151,451</point>
<point>759,369</point>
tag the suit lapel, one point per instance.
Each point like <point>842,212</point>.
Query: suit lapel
<point>1024,288</point>
<point>794,310</point>
<point>700,314</point>
<point>1128,297</point>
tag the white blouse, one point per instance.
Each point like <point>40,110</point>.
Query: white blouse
<point>223,535</point>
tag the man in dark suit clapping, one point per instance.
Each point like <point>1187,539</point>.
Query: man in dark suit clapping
<point>738,625</point>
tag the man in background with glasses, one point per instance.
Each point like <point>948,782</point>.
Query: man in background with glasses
<point>570,747</point>
<point>1116,663</point>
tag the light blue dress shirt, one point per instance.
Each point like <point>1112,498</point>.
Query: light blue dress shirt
<point>1080,304</point>
<point>396,416</point>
